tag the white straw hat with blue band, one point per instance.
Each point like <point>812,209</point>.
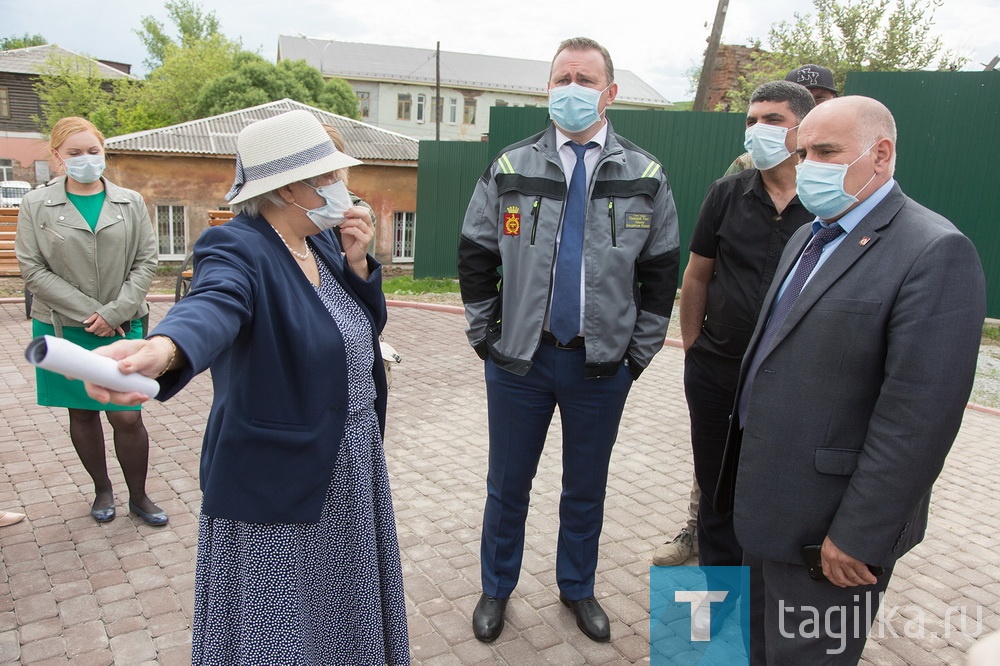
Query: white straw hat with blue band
<point>282,150</point>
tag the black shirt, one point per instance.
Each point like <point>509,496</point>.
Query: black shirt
<point>740,228</point>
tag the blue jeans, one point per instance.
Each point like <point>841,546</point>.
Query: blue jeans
<point>520,410</point>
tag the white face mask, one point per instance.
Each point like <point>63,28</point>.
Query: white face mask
<point>573,107</point>
<point>820,187</point>
<point>85,168</point>
<point>766,145</point>
<point>330,215</point>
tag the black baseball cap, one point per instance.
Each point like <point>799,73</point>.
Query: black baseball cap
<point>812,76</point>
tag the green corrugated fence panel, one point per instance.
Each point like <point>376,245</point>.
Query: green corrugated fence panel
<point>948,151</point>
<point>446,176</point>
<point>694,149</point>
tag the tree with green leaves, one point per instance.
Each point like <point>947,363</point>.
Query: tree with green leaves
<point>22,42</point>
<point>171,91</point>
<point>876,36</point>
<point>73,86</point>
<point>192,26</point>
<point>253,81</point>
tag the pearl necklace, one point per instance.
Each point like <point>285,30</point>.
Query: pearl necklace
<point>301,256</point>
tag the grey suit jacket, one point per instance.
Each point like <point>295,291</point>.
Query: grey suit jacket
<point>862,394</point>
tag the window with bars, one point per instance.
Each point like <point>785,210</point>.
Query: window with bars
<point>404,226</point>
<point>171,229</point>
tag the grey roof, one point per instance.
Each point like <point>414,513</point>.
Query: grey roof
<point>32,60</point>
<point>217,135</point>
<point>458,70</point>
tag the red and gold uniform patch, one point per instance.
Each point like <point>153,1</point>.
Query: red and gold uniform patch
<point>512,221</point>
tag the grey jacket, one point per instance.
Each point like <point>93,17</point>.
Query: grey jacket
<point>630,255</point>
<point>857,403</point>
<point>73,272</point>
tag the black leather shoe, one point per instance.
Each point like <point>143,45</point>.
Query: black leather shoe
<point>103,514</point>
<point>157,519</point>
<point>590,617</point>
<point>487,619</point>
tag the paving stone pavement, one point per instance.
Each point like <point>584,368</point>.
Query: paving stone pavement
<point>72,591</point>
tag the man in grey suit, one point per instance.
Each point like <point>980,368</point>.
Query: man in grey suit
<point>851,392</point>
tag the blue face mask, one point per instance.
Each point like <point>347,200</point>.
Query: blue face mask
<point>574,107</point>
<point>766,145</point>
<point>820,187</point>
<point>85,168</point>
<point>330,215</point>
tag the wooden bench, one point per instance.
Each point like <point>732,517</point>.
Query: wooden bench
<point>215,218</point>
<point>8,229</point>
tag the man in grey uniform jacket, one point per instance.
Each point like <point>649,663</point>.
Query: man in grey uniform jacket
<point>851,394</point>
<point>584,225</point>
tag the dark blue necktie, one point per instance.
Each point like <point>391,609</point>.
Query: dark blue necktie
<point>805,268</point>
<point>564,314</point>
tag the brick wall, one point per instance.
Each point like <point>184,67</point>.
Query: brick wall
<point>200,183</point>
<point>730,63</point>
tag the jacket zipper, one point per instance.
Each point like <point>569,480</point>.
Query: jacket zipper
<point>52,231</point>
<point>611,216</point>
<point>534,218</point>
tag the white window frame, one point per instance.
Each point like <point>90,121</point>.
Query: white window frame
<point>404,233</point>
<point>453,111</point>
<point>171,232</point>
<point>421,103</point>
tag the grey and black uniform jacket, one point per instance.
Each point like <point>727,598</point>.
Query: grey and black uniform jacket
<point>630,255</point>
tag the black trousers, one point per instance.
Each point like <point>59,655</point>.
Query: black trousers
<point>796,620</point>
<point>709,406</point>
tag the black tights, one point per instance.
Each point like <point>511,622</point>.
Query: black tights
<point>131,446</point>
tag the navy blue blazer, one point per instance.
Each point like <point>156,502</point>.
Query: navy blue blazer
<point>279,370</point>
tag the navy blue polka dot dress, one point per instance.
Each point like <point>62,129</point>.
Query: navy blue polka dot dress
<point>317,593</point>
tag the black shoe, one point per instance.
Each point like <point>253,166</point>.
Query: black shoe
<point>590,617</point>
<point>487,619</point>
<point>103,514</point>
<point>155,519</point>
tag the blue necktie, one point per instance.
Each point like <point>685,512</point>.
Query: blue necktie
<point>805,268</point>
<point>564,314</point>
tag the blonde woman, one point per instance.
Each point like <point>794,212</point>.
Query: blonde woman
<point>87,254</point>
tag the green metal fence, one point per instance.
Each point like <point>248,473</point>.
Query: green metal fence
<point>948,147</point>
<point>446,175</point>
<point>694,148</point>
<point>948,151</point>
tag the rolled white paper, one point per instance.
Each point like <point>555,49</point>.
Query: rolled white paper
<point>64,357</point>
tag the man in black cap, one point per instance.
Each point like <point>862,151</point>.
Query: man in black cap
<point>817,80</point>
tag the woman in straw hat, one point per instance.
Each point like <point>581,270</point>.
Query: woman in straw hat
<point>298,560</point>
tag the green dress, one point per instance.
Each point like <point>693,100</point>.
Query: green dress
<point>55,390</point>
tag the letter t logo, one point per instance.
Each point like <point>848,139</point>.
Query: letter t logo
<point>701,610</point>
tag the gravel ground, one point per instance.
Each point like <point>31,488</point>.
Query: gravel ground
<point>985,391</point>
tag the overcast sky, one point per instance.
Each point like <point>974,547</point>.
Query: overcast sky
<point>659,41</point>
